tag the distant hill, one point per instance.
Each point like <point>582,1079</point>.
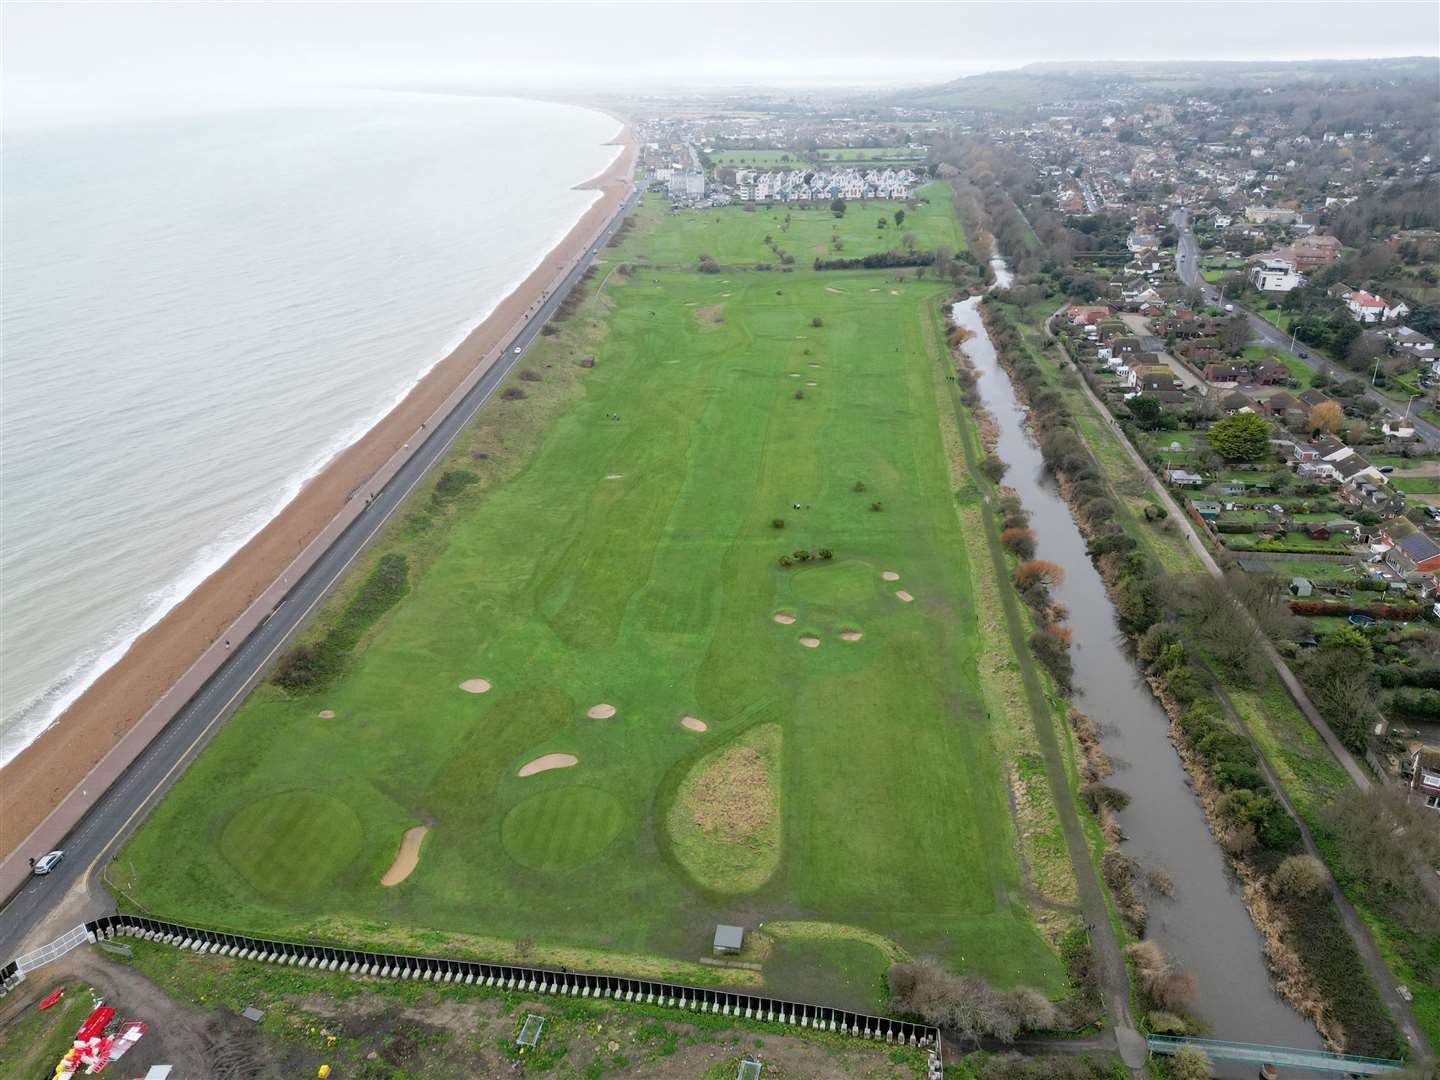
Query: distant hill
<point>1055,84</point>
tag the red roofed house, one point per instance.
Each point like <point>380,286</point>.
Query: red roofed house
<point>1368,308</point>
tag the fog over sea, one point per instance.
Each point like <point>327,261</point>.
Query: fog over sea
<point>201,310</point>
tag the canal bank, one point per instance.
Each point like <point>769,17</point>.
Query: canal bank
<point>1204,927</point>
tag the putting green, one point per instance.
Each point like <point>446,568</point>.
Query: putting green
<point>560,830</point>
<point>291,845</point>
<point>847,586</point>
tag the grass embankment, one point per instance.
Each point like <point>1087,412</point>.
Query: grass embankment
<point>1304,766</point>
<point>619,547</point>
<point>760,159</point>
<point>736,236</point>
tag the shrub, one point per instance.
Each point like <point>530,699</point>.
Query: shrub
<point>801,555</point>
<point>512,393</point>
<point>799,395</point>
<point>454,481</point>
<point>817,322</point>
<point>311,667</point>
<point>877,506</point>
<point>859,485</point>
<point>786,560</point>
<point>826,553</point>
<point>530,376</point>
<point>1189,1063</point>
<point>993,467</point>
<point>1019,542</point>
<point>777,523</point>
<point>1299,875</point>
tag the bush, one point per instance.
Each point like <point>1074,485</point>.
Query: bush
<point>1019,542</point>
<point>825,553</point>
<point>993,467</point>
<point>965,1004</point>
<point>1299,875</point>
<point>817,322</point>
<point>777,523</point>
<point>859,485</point>
<point>530,376</point>
<point>454,481</point>
<point>512,393</point>
<point>308,668</point>
<point>877,506</point>
<point>799,395</point>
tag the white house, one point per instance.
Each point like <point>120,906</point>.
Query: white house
<point>1368,308</point>
<point>1275,275</point>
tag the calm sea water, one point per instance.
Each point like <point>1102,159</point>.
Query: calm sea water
<point>200,311</point>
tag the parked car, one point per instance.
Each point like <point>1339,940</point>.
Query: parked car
<point>1304,355</point>
<point>1387,468</point>
<point>47,862</point>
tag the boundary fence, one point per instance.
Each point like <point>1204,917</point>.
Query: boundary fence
<point>479,973</point>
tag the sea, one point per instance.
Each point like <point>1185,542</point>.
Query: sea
<point>201,308</point>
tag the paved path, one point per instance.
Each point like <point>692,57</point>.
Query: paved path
<point>109,802</point>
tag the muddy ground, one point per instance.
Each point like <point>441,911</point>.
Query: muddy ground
<point>369,1030</point>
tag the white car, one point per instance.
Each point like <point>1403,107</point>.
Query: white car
<point>517,350</point>
<point>46,863</point>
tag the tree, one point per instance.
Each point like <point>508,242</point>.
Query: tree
<point>1327,416</point>
<point>1339,678</point>
<point>899,218</point>
<point>1235,334</point>
<point>882,223</point>
<point>1241,437</point>
<point>1190,1063</point>
<point>1299,876</point>
<point>1146,410</point>
<point>1387,839</point>
<point>837,207</point>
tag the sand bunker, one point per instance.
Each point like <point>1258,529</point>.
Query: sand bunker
<point>690,723</point>
<point>600,712</point>
<point>889,575</point>
<point>903,595</point>
<point>614,476</point>
<point>794,374</point>
<point>850,635</point>
<point>327,714</point>
<point>710,314</point>
<point>546,762</point>
<point>894,292</point>
<point>810,641</point>
<point>812,384</point>
<point>814,365</point>
<point>874,290</point>
<point>840,291</point>
<point>476,686</point>
<point>784,618</point>
<point>407,858</point>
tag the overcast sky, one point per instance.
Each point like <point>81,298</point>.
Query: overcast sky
<point>65,51</point>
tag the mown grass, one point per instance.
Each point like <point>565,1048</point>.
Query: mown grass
<point>735,235</point>
<point>653,592</point>
<point>33,1044</point>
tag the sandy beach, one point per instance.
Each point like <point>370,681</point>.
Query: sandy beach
<point>35,782</point>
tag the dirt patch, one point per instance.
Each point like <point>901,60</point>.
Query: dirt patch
<point>407,858</point>
<point>784,618</point>
<point>600,712</point>
<point>903,595</point>
<point>327,714</point>
<point>850,635</point>
<point>710,314</point>
<point>476,686</point>
<point>690,723</point>
<point>546,762</point>
<point>810,641</point>
<point>889,575</point>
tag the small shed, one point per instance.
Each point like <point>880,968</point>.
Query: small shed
<point>1301,588</point>
<point>729,940</point>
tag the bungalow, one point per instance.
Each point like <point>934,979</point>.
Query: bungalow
<point>1313,252</point>
<point>1270,373</point>
<point>1398,429</point>
<point>1311,398</point>
<point>1407,342</point>
<point>1088,314</point>
<point>1225,372</point>
<point>1280,404</point>
<point>1354,470</point>
<point>1184,478</point>
<point>1425,775</point>
<point>1237,402</point>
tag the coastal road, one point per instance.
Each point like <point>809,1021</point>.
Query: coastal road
<point>117,811</point>
<point>1187,264</point>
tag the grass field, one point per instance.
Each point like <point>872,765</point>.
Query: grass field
<point>733,235</point>
<point>854,790</point>
<point>759,159</point>
<point>858,155</point>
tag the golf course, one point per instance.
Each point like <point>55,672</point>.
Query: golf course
<point>681,635</point>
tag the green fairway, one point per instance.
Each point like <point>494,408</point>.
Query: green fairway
<point>759,159</point>
<point>734,235</point>
<point>632,560</point>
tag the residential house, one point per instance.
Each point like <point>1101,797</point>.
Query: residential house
<point>1275,275</point>
<point>1313,252</point>
<point>1425,776</point>
<point>1278,405</point>
<point>1367,308</point>
<point>1411,550</point>
<point>1235,401</point>
<point>1310,398</point>
<point>1227,372</point>
<point>1184,478</point>
<point>1407,342</point>
<point>1270,373</point>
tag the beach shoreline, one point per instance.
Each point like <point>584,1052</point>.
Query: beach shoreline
<point>129,698</point>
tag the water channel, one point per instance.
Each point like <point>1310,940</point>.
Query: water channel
<point>1204,928</point>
